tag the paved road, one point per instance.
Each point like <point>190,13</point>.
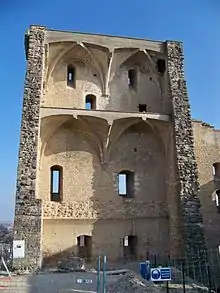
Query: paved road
<point>53,283</point>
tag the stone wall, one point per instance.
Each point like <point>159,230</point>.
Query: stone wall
<point>90,201</point>
<point>90,190</point>
<point>28,210</point>
<point>193,234</point>
<point>207,150</point>
<point>60,236</point>
<point>105,77</point>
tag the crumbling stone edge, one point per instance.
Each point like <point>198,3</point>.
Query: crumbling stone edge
<point>194,240</point>
<point>28,209</point>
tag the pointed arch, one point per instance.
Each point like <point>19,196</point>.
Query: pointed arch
<point>129,124</point>
<point>57,60</point>
<point>115,63</point>
<point>90,134</point>
<point>66,51</point>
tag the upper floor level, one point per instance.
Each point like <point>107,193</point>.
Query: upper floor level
<point>98,72</point>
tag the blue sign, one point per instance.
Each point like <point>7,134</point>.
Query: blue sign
<point>160,274</point>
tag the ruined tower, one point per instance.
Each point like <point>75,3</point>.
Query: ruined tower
<point>106,160</point>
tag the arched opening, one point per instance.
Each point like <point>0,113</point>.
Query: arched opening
<point>71,81</point>
<point>56,183</point>
<point>90,103</point>
<point>216,171</point>
<point>84,244</point>
<point>126,184</point>
<point>130,245</point>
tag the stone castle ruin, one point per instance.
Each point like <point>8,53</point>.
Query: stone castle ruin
<point>110,161</point>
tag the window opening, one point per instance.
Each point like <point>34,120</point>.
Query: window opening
<point>216,171</point>
<point>90,103</point>
<point>130,247</point>
<point>84,244</point>
<point>70,76</point>
<point>161,66</point>
<point>217,199</point>
<point>132,78</point>
<point>126,184</point>
<point>56,183</point>
<point>142,107</point>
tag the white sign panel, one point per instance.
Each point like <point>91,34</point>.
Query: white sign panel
<point>18,249</point>
<point>84,281</point>
<point>160,274</point>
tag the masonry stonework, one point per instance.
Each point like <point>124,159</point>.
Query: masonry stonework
<point>193,236</point>
<point>139,123</point>
<point>28,210</point>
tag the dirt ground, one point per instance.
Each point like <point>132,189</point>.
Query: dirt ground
<point>53,283</point>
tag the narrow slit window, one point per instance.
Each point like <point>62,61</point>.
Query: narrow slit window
<point>90,103</point>
<point>122,182</point>
<point>132,78</point>
<point>126,184</point>
<point>70,76</point>
<point>56,183</point>
<point>142,107</point>
<point>161,66</point>
<point>217,199</point>
<point>126,241</point>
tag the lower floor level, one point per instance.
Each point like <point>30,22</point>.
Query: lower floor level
<point>118,239</point>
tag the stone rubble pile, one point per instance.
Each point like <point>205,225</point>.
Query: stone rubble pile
<point>72,264</point>
<point>132,283</point>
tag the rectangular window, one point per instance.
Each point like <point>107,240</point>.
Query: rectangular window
<point>70,76</point>
<point>56,176</point>
<point>217,199</point>
<point>142,108</point>
<point>132,78</point>
<point>161,66</point>
<point>56,183</point>
<point>216,171</point>
<point>126,184</point>
<point>122,181</point>
<point>126,241</point>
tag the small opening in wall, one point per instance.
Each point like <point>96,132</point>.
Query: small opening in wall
<point>126,184</point>
<point>132,78</point>
<point>84,244</point>
<point>161,66</point>
<point>130,247</point>
<point>217,199</point>
<point>216,171</point>
<point>90,103</point>
<point>142,107</point>
<point>71,76</point>
<point>56,183</point>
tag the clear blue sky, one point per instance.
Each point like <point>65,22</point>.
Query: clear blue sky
<point>195,22</point>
